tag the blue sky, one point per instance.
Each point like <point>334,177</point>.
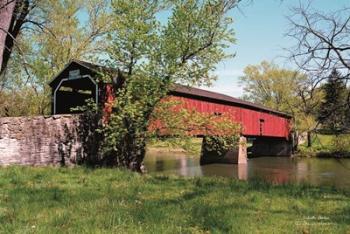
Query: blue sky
<point>260,30</point>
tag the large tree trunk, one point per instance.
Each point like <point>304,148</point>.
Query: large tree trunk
<point>295,140</point>
<point>6,12</point>
<point>13,14</point>
<point>132,153</point>
<point>136,155</point>
<point>132,148</point>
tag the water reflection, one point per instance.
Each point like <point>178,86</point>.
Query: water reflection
<point>330,172</point>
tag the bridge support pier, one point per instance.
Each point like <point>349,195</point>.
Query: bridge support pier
<point>234,156</point>
<point>269,146</point>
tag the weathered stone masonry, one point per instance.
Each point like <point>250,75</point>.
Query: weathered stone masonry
<point>40,140</point>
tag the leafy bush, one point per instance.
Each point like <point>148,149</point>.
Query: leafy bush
<point>341,143</point>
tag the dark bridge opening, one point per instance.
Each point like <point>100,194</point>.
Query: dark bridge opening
<point>72,92</point>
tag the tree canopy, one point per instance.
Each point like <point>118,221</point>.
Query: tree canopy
<point>334,110</point>
<point>321,40</point>
<point>155,55</point>
<point>284,90</point>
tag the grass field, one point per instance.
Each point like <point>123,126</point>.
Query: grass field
<point>81,200</point>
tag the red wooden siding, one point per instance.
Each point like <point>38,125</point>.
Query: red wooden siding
<point>272,125</point>
<point>254,122</point>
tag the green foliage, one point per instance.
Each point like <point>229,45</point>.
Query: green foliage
<point>327,146</point>
<point>90,107</point>
<point>152,56</point>
<point>17,96</point>
<point>14,103</point>
<point>270,85</point>
<point>188,145</point>
<point>221,144</point>
<point>319,142</point>
<point>81,200</point>
<point>172,117</point>
<point>334,110</point>
<point>284,90</point>
<point>341,143</point>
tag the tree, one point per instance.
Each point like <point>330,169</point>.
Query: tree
<point>13,14</point>
<point>152,56</point>
<point>333,114</point>
<point>321,41</point>
<point>283,90</point>
<point>269,85</point>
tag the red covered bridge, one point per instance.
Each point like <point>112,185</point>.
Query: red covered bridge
<point>268,129</point>
<point>257,120</point>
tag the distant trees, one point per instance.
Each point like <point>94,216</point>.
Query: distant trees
<point>322,46</point>
<point>284,90</point>
<point>324,107</point>
<point>334,109</point>
<point>270,85</point>
<point>322,40</point>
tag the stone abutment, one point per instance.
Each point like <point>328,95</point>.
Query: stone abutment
<point>40,140</point>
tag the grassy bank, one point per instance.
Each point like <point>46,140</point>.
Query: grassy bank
<point>49,200</point>
<point>325,146</point>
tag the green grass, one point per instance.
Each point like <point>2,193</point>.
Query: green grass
<point>327,146</point>
<point>319,143</point>
<point>80,200</point>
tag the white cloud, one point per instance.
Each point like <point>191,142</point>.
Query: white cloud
<point>227,83</point>
<point>231,90</point>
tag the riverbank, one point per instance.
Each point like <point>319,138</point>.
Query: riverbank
<point>54,200</point>
<point>322,154</point>
<point>326,146</point>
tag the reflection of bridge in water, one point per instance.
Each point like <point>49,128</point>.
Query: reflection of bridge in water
<point>267,129</point>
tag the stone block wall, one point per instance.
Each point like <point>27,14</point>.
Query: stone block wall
<point>40,140</point>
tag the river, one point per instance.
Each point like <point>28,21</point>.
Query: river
<point>278,170</point>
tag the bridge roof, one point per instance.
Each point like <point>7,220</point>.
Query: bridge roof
<point>75,63</point>
<point>218,97</point>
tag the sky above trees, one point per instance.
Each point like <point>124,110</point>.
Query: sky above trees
<point>260,31</point>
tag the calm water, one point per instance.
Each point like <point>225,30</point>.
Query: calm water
<point>330,172</point>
